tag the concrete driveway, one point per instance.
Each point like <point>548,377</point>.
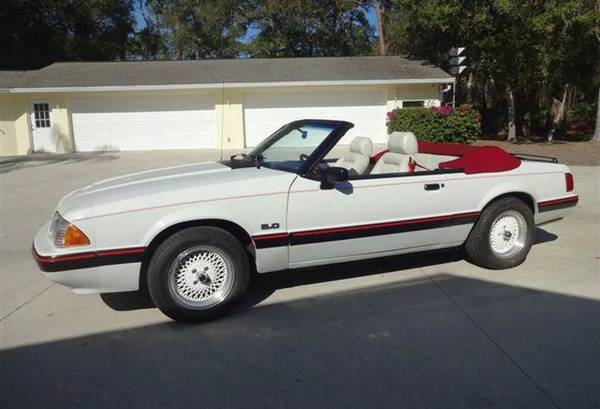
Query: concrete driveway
<point>424,331</point>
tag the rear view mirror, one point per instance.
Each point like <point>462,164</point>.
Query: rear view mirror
<point>330,176</point>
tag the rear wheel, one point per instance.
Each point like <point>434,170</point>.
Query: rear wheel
<point>198,273</point>
<point>503,235</point>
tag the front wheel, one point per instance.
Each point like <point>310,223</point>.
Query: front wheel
<point>197,274</point>
<point>503,235</point>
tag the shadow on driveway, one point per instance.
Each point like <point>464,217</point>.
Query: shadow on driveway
<point>439,341</point>
<point>41,159</point>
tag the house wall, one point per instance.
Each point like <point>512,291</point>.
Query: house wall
<point>14,127</point>
<point>8,136</point>
<point>61,123</point>
<point>15,133</point>
<point>230,118</point>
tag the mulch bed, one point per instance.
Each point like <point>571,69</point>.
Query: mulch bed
<point>570,153</point>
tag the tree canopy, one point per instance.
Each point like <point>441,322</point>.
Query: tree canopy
<point>34,33</point>
<point>528,60</point>
<point>298,28</point>
<point>524,53</point>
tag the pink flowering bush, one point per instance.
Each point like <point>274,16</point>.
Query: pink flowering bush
<point>445,110</point>
<point>437,124</point>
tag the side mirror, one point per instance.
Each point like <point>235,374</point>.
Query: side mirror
<point>329,177</point>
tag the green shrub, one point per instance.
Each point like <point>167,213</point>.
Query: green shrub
<point>442,124</point>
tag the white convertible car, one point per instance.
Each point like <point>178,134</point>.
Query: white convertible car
<point>192,234</point>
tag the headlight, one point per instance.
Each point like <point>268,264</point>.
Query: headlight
<point>66,234</point>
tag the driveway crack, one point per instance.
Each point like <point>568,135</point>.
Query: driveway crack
<point>42,291</point>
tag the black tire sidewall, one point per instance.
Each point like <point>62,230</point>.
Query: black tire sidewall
<point>167,252</point>
<point>478,246</point>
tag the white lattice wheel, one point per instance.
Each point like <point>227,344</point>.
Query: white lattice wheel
<point>508,234</point>
<point>201,277</point>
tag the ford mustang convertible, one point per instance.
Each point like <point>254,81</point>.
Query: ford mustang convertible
<point>191,235</point>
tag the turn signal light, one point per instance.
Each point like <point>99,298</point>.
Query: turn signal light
<point>569,182</point>
<point>75,237</point>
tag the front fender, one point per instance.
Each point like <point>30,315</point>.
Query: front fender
<point>185,215</point>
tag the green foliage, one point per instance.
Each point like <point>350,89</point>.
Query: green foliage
<point>195,29</point>
<point>149,42</point>
<point>300,28</point>
<point>460,126</point>
<point>34,33</point>
<point>535,49</point>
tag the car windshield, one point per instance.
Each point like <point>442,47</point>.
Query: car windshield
<point>291,145</point>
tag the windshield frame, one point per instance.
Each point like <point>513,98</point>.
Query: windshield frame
<point>339,129</point>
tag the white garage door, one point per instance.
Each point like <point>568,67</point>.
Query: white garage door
<point>264,113</point>
<point>144,123</point>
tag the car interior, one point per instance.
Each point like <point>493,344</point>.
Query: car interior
<point>291,146</point>
<point>358,159</point>
<point>402,156</point>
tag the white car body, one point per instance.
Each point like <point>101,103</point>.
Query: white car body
<point>286,220</point>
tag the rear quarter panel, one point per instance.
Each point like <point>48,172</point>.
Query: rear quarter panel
<point>541,181</point>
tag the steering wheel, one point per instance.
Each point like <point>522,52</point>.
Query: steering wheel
<point>303,157</point>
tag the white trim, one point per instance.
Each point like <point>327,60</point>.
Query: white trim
<point>402,101</point>
<point>31,121</point>
<point>230,85</point>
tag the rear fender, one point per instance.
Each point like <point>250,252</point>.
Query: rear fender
<point>505,189</point>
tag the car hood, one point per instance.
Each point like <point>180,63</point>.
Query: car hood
<point>156,175</point>
<point>164,186</point>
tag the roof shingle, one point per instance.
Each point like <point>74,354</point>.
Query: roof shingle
<point>253,70</point>
<point>11,79</point>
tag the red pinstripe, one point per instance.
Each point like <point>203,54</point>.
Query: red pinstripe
<point>86,255</point>
<point>317,232</point>
<point>558,201</point>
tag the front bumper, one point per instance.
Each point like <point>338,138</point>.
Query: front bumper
<point>88,271</point>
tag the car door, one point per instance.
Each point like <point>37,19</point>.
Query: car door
<point>378,215</point>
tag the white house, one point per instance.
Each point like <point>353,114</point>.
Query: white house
<point>207,104</point>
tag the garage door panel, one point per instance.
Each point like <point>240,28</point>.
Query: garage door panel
<point>144,123</point>
<point>266,112</point>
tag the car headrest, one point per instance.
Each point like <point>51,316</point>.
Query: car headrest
<point>403,142</point>
<point>362,145</point>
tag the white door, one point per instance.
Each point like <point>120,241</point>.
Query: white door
<point>42,130</point>
<point>144,122</point>
<point>376,216</point>
<point>265,112</point>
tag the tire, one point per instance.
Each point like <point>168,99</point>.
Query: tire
<point>197,274</point>
<point>503,235</point>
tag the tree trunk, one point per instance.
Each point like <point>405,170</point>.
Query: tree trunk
<point>526,125</point>
<point>489,99</point>
<point>559,113</point>
<point>380,34</point>
<point>470,87</point>
<point>512,127</point>
<point>597,131</point>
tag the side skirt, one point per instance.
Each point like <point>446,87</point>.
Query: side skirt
<point>365,230</point>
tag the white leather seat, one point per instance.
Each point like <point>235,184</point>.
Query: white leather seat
<point>402,146</point>
<point>358,158</point>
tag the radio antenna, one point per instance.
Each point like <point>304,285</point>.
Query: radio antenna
<point>222,114</point>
